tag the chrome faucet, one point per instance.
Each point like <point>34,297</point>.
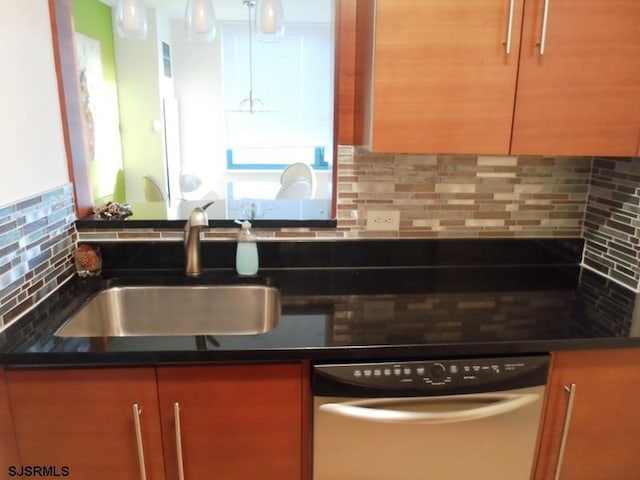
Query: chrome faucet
<point>195,223</point>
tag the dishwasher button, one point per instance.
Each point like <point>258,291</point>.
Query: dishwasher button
<point>367,373</point>
<point>407,371</point>
<point>420,370</point>
<point>437,371</point>
<point>357,373</point>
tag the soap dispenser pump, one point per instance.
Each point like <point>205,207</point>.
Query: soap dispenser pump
<point>247,250</point>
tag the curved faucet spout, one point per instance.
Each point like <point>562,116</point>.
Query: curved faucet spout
<point>195,223</point>
<point>207,205</point>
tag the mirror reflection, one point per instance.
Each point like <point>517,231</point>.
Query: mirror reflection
<point>237,109</point>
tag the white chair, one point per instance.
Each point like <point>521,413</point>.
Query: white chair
<point>189,182</point>
<point>299,189</point>
<point>298,180</point>
<point>152,189</point>
<point>193,188</point>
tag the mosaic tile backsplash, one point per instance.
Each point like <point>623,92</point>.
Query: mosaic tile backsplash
<point>464,196</point>
<point>36,241</point>
<point>612,222</point>
<point>437,197</point>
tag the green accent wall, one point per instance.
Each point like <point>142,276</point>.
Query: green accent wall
<point>94,19</point>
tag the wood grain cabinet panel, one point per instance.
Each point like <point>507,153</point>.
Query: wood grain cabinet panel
<point>236,422</point>
<point>8,448</point>
<point>225,421</point>
<point>442,81</point>
<point>603,433</point>
<point>345,71</point>
<point>83,419</point>
<point>582,96</point>
<point>434,77</point>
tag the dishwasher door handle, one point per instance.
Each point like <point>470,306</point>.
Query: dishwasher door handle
<point>374,409</point>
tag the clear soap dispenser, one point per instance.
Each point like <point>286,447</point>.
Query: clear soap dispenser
<point>247,250</point>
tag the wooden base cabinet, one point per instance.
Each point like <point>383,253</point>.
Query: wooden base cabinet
<point>228,422</point>
<point>83,419</point>
<point>235,422</point>
<point>8,448</point>
<point>592,404</point>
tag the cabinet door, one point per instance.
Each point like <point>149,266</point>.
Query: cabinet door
<point>8,449</point>
<point>345,75</point>
<point>236,422</point>
<point>83,419</point>
<point>604,429</point>
<point>443,82</point>
<point>582,95</point>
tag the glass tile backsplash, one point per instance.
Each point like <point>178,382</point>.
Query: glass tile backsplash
<point>612,222</point>
<point>37,235</point>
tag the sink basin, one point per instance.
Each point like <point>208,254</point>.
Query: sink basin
<point>176,310</point>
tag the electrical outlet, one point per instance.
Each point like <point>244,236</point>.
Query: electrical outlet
<point>387,220</point>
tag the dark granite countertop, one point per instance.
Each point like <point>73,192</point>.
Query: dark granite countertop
<point>414,309</point>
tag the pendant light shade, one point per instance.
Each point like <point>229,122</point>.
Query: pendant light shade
<point>131,19</point>
<point>270,20</point>
<point>200,21</point>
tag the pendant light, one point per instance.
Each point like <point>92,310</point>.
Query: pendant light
<point>131,19</point>
<point>270,20</point>
<point>251,104</point>
<point>200,21</point>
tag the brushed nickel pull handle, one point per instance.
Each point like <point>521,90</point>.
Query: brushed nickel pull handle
<point>543,33</point>
<point>136,420</point>
<point>571,389</point>
<point>390,410</point>
<point>507,46</point>
<point>176,417</point>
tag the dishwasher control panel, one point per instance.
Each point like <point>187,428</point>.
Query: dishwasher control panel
<point>437,375</point>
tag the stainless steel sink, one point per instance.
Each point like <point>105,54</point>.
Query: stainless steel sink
<point>176,310</point>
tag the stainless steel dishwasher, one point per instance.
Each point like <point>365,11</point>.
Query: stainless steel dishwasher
<point>428,420</point>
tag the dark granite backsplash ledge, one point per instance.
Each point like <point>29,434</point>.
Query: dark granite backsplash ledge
<point>350,254</point>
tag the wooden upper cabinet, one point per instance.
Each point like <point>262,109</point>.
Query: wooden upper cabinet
<point>83,419</point>
<point>604,427</point>
<point>440,78</point>
<point>345,71</point>
<point>236,422</point>
<point>582,96</point>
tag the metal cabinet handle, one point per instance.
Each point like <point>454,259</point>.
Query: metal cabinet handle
<point>507,46</point>
<point>136,420</point>
<point>176,416</point>
<point>543,32</point>
<point>571,389</point>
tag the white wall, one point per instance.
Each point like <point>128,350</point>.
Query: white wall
<point>198,88</point>
<point>32,155</point>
